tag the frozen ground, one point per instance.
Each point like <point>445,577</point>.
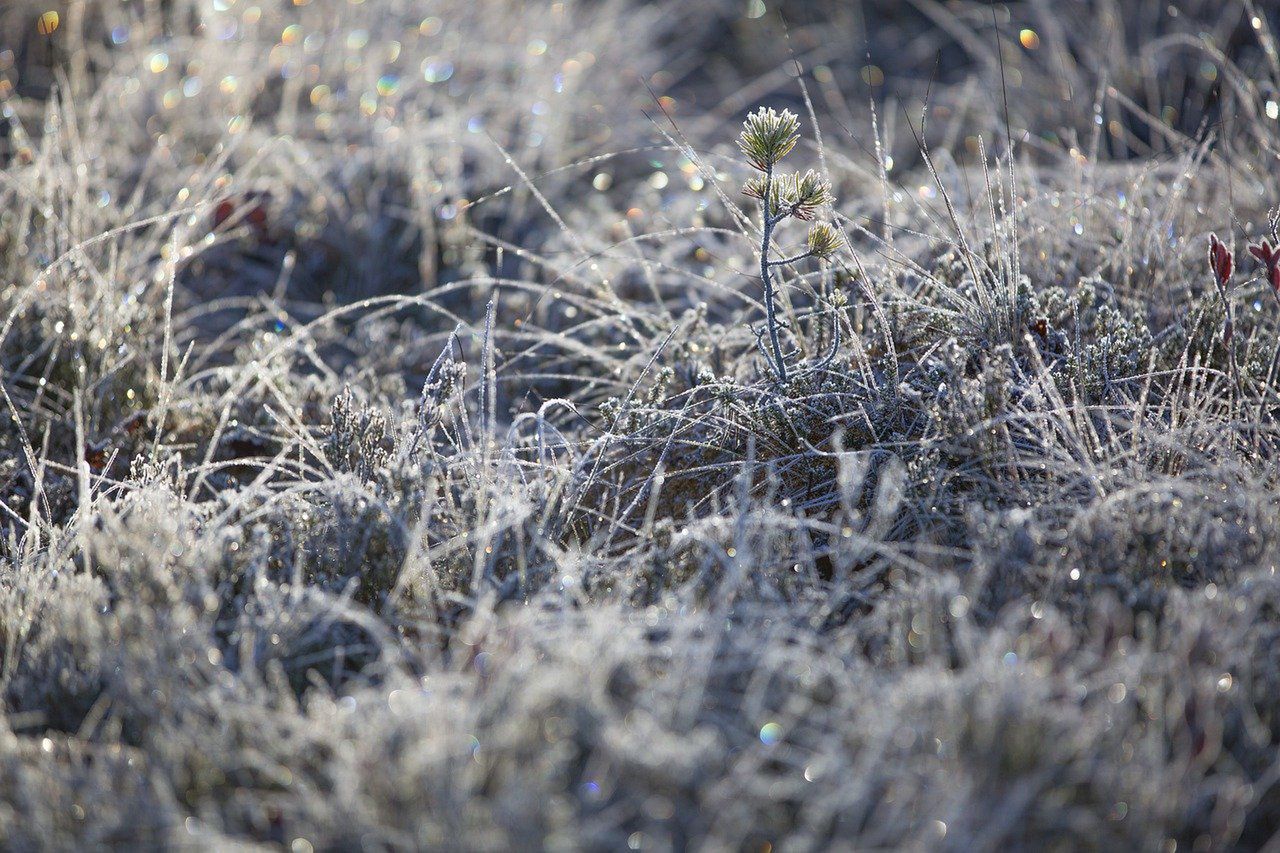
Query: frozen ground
<point>388,462</point>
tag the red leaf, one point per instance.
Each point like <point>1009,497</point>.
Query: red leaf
<point>1220,260</point>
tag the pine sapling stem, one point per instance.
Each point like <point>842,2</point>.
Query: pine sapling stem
<point>770,222</point>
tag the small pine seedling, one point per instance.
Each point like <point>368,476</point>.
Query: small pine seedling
<point>767,137</point>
